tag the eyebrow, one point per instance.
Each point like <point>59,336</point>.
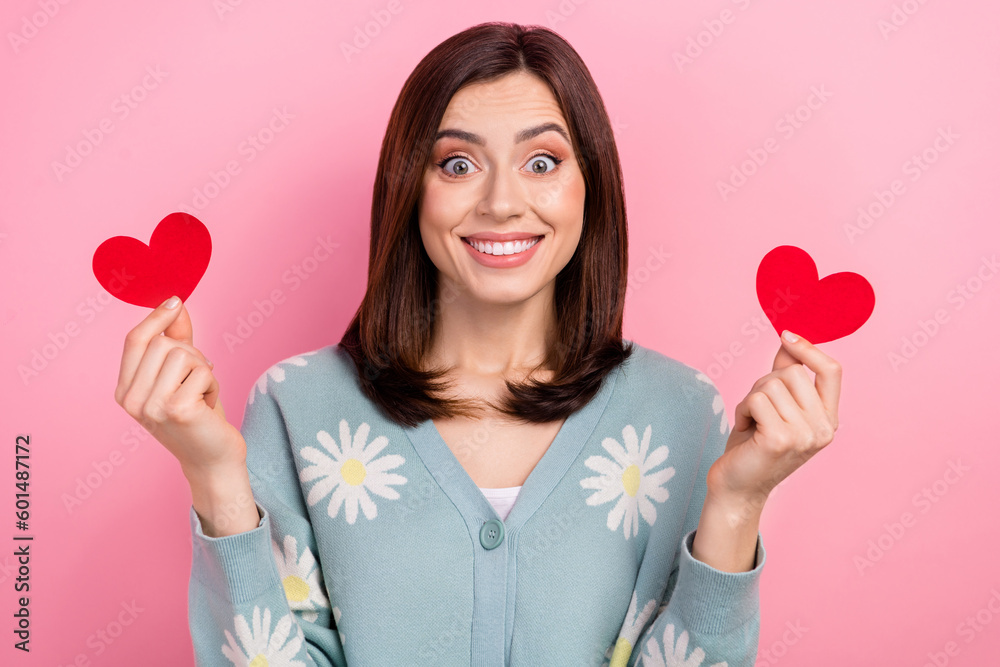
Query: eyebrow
<point>523,135</point>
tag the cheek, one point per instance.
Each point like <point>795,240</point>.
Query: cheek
<point>562,201</point>
<point>433,216</point>
<point>443,206</point>
<point>440,210</point>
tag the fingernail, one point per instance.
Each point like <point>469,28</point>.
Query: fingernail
<point>789,336</point>
<point>172,302</point>
<point>210,364</point>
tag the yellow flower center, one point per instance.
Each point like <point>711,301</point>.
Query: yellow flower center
<point>296,589</point>
<point>259,661</point>
<point>353,472</point>
<point>623,651</point>
<point>630,480</point>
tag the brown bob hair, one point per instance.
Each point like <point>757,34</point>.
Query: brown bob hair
<point>391,330</point>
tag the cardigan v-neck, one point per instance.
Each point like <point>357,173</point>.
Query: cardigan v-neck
<point>502,499</point>
<point>544,477</point>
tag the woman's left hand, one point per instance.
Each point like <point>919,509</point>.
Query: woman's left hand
<point>781,424</point>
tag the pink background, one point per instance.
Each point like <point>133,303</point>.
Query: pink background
<point>682,126</point>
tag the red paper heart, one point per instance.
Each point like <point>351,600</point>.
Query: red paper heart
<point>172,263</point>
<point>794,298</point>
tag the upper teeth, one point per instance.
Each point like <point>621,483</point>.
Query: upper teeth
<point>497,248</point>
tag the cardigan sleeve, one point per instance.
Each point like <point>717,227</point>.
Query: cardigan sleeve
<point>708,617</point>
<point>261,592</point>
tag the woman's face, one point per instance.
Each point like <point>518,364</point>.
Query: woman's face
<point>502,172</point>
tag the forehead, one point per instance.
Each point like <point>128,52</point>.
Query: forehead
<point>507,101</point>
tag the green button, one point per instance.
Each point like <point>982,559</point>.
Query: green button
<point>491,534</point>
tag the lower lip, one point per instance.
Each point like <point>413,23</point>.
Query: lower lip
<point>503,261</point>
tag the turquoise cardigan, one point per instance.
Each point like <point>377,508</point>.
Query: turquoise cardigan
<point>376,548</point>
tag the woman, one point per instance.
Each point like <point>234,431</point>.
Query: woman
<point>482,471</point>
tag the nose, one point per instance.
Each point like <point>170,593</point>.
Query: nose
<point>503,195</point>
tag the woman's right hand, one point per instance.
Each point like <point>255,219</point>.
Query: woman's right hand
<point>167,385</point>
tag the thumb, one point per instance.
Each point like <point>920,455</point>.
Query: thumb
<point>783,359</point>
<point>180,328</point>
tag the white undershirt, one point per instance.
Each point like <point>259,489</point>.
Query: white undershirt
<point>502,499</point>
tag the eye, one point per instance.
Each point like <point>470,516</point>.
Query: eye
<point>538,163</point>
<point>542,163</point>
<point>460,164</point>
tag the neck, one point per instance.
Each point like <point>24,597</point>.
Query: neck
<point>490,339</point>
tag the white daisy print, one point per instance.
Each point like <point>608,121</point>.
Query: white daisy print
<point>259,647</point>
<point>277,373</point>
<point>336,619</point>
<point>300,576</point>
<point>674,655</point>
<point>630,631</point>
<point>717,402</point>
<point>626,476</point>
<point>352,470</point>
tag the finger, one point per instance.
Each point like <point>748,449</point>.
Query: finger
<point>784,403</point>
<point>801,386</point>
<point>175,369</point>
<point>827,369</point>
<point>137,394</point>
<point>136,342</point>
<point>180,328</point>
<point>753,410</point>
<point>200,384</point>
<point>783,359</point>
<point>185,381</point>
<point>151,364</point>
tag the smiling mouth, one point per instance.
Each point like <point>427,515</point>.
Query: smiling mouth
<point>506,248</point>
